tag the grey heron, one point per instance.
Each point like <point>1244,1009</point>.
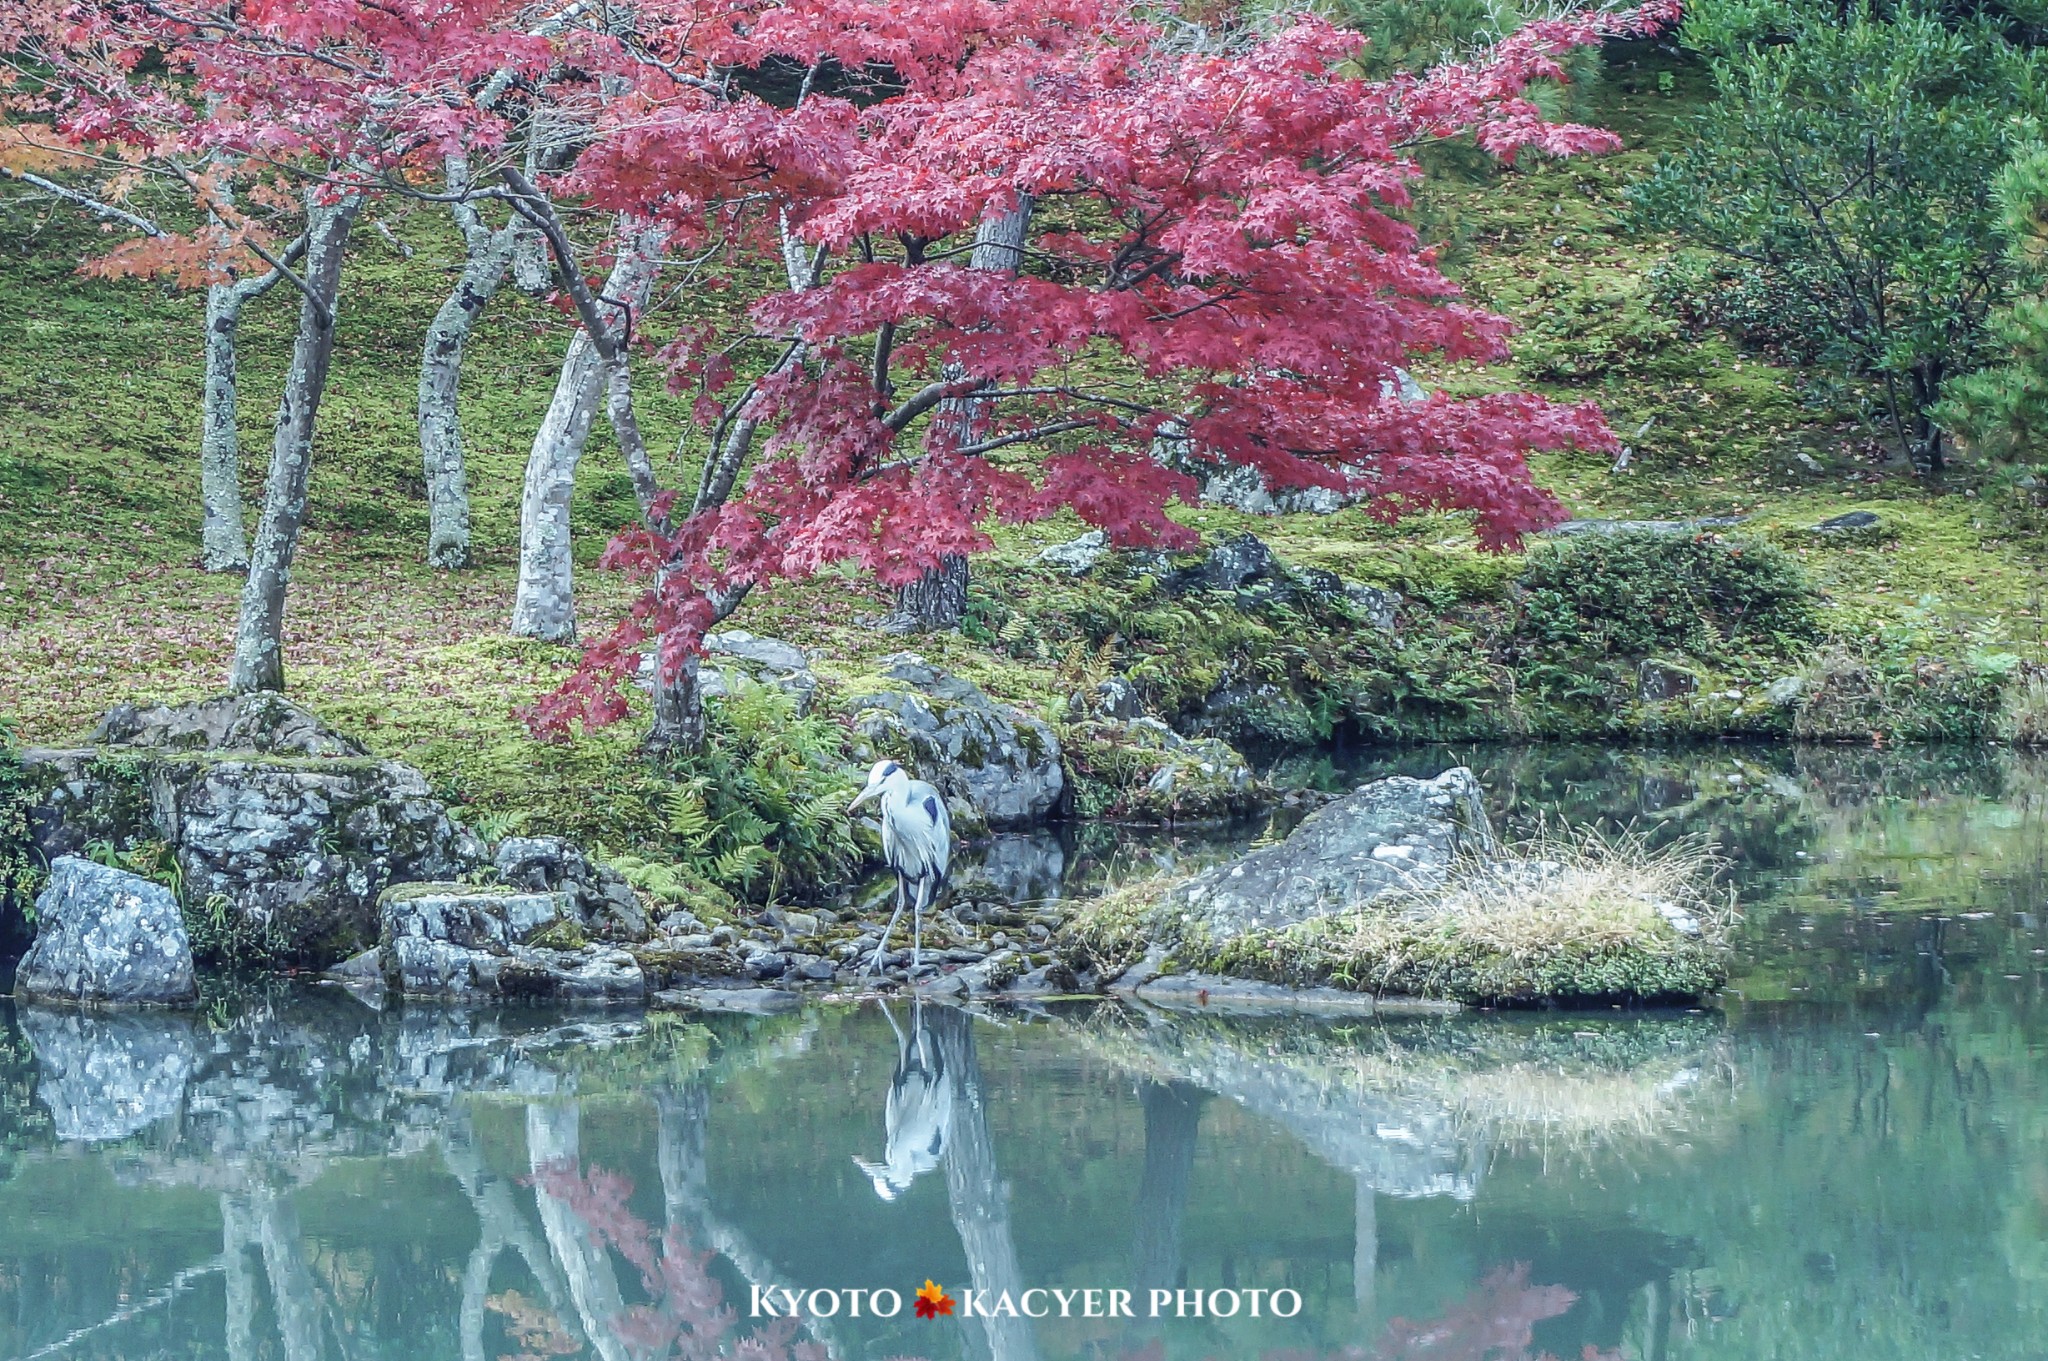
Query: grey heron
<point>917,842</point>
<point>919,1114</point>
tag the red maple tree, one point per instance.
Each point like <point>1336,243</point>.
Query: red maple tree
<point>1217,272</point>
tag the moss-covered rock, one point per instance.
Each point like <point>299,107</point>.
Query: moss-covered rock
<point>1140,770</point>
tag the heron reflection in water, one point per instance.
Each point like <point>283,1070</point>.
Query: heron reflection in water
<point>919,1112</point>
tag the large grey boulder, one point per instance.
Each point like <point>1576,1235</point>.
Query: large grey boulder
<point>1393,835</point>
<point>281,824</point>
<point>1077,557</point>
<point>300,853</point>
<point>106,937</point>
<point>996,766</point>
<point>453,941</point>
<point>108,1076</point>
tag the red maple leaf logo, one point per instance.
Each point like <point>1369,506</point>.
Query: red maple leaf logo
<point>932,1301</point>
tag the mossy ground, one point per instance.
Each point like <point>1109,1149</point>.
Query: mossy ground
<point>101,600</point>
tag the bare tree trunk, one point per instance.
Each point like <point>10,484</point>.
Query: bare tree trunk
<point>678,726</point>
<point>238,1235</point>
<point>224,544</point>
<point>294,1295</point>
<point>487,256</point>
<point>545,605</point>
<point>934,602</point>
<point>259,633</point>
<point>554,1140</point>
<point>1365,1246</point>
<point>937,601</point>
<point>1173,1118</point>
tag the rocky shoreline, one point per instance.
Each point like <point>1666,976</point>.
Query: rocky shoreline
<point>286,846</point>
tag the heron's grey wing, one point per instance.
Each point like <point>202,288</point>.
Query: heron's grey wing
<point>924,834</point>
<point>936,824</point>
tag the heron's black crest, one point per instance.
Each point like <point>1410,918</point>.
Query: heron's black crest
<point>890,769</point>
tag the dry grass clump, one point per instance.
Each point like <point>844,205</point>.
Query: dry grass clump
<point>1590,889</point>
<point>1579,916</point>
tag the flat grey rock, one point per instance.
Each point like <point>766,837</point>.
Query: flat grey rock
<point>1217,992</point>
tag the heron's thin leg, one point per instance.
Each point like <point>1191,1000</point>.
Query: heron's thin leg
<point>916,932</point>
<point>875,961</point>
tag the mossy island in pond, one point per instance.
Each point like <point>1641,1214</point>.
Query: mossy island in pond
<point>1400,889</point>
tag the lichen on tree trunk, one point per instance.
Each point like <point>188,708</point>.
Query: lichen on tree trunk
<point>937,601</point>
<point>224,543</point>
<point>259,632</point>
<point>488,255</point>
<point>544,605</point>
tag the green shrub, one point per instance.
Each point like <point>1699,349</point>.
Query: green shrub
<point>1634,594</point>
<point>1588,330</point>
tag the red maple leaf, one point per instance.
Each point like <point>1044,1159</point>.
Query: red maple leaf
<point>932,1301</point>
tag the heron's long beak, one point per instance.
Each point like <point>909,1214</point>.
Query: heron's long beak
<point>863,797</point>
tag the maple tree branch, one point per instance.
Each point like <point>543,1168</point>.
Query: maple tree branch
<point>199,191</point>
<point>1025,436</point>
<point>248,289</point>
<point>85,201</point>
<point>523,199</point>
<point>925,398</point>
<point>1077,394</point>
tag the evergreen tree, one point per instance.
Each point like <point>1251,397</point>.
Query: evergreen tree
<point>2003,410</point>
<point>1847,164</point>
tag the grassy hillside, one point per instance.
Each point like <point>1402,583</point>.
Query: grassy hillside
<point>101,600</point>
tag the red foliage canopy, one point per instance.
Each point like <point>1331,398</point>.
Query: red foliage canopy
<point>1218,272</point>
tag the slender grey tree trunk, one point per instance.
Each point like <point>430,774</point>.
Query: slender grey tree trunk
<point>545,606</point>
<point>487,256</point>
<point>554,1140</point>
<point>937,601</point>
<point>237,1236</point>
<point>678,726</point>
<point>224,544</point>
<point>259,633</point>
<point>294,1295</point>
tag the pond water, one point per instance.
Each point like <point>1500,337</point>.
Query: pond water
<point>1847,1158</point>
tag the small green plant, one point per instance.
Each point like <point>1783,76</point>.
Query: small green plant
<point>760,811</point>
<point>223,937</point>
<point>21,865</point>
<point>152,860</point>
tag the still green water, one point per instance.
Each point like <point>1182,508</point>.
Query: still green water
<point>1847,1158</point>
